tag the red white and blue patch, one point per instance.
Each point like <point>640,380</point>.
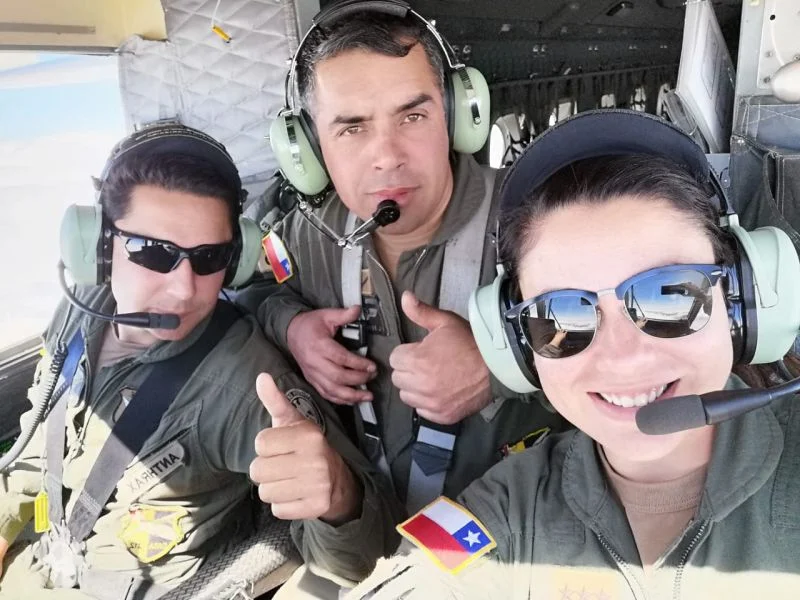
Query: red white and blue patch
<point>449,534</point>
<point>277,256</point>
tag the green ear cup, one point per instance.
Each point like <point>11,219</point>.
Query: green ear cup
<point>81,232</point>
<point>469,136</point>
<point>295,155</point>
<point>491,337</point>
<point>251,251</point>
<point>776,273</point>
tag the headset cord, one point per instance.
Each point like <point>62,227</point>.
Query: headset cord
<point>40,397</point>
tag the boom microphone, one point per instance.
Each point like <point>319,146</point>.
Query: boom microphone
<point>387,213</point>
<point>688,412</point>
<point>137,319</point>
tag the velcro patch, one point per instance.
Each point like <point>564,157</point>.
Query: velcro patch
<point>277,256</point>
<point>449,534</point>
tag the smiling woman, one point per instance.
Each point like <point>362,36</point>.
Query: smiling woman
<point>622,289</point>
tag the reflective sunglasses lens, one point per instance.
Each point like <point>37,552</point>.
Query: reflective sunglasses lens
<point>670,304</point>
<point>151,254</point>
<point>559,326</point>
<point>210,259</point>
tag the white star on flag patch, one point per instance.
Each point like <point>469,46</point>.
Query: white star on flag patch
<point>448,533</point>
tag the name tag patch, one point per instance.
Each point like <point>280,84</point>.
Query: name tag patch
<point>156,467</point>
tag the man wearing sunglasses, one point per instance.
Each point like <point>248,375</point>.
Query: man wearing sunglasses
<point>168,237</point>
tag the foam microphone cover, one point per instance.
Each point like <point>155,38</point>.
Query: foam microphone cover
<point>671,415</point>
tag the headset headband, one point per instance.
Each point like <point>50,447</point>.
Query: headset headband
<point>181,140</point>
<point>337,11</point>
<point>598,133</point>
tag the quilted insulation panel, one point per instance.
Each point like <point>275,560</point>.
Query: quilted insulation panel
<point>230,90</point>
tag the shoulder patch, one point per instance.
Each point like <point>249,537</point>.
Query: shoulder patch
<point>449,534</point>
<point>303,402</point>
<point>277,256</point>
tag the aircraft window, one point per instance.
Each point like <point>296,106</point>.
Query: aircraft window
<point>497,146</point>
<point>59,114</point>
<point>638,99</point>
<point>566,108</point>
<point>608,101</point>
<point>507,139</point>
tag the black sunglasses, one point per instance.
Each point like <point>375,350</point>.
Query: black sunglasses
<point>665,302</point>
<point>162,256</point>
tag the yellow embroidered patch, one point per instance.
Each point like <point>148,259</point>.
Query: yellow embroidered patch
<point>150,532</point>
<point>525,443</point>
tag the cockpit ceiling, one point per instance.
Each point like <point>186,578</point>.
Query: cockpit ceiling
<point>512,40</point>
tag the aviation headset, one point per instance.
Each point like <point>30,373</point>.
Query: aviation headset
<point>86,240</point>
<point>292,135</point>
<point>763,284</point>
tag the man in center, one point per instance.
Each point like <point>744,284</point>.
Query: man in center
<point>376,86</point>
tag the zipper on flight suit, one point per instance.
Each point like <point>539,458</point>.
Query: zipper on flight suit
<point>80,438</point>
<point>395,310</point>
<point>676,590</point>
<point>633,582</point>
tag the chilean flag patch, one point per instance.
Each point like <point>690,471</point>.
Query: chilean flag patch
<point>448,533</point>
<point>277,256</point>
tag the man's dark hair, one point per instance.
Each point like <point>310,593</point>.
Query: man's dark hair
<point>173,172</point>
<point>371,31</point>
<point>599,180</point>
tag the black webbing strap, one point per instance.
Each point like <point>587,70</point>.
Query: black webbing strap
<point>140,419</point>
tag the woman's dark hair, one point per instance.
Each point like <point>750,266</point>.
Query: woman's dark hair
<point>598,180</point>
<point>173,172</point>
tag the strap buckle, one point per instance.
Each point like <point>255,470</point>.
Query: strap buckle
<point>353,336</point>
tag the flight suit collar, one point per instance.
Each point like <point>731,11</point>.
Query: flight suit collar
<point>468,193</point>
<point>92,329</point>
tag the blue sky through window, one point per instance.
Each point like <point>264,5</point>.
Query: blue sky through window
<point>59,116</point>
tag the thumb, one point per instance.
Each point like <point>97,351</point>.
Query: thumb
<point>336,317</point>
<point>282,411</point>
<point>422,314</point>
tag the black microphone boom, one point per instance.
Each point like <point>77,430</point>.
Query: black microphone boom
<point>138,319</point>
<point>687,412</point>
<point>385,214</point>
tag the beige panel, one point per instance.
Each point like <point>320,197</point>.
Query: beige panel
<point>79,23</point>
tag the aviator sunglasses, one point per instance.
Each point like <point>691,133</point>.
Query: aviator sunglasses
<point>666,302</point>
<point>162,256</point>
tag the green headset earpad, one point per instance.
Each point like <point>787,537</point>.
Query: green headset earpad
<point>497,341</point>
<point>775,284</point>
<point>296,150</point>
<point>82,244</point>
<point>245,261</point>
<point>469,136</point>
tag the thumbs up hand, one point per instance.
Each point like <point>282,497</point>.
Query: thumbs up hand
<point>443,376</point>
<point>296,470</point>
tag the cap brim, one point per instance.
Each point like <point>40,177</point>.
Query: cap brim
<point>593,134</point>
